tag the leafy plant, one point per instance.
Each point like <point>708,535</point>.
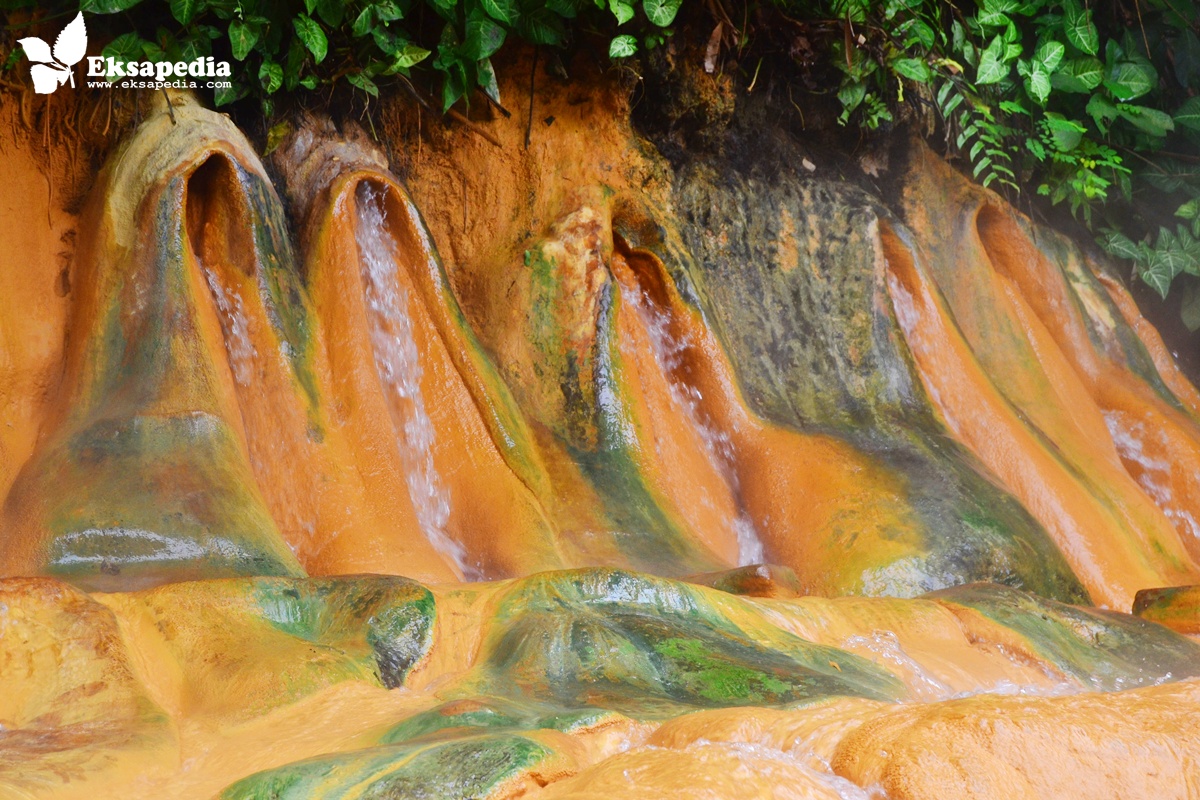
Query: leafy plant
<point>1082,102</point>
<point>303,44</point>
<point>1095,106</point>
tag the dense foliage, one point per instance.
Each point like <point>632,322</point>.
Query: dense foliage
<point>1096,108</point>
<point>291,44</point>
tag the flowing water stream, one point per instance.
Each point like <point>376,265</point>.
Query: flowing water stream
<point>398,362</point>
<point>718,446</point>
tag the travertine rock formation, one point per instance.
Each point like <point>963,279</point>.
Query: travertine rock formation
<point>296,507</point>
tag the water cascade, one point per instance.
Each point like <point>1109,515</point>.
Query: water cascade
<point>593,478</point>
<point>398,364</point>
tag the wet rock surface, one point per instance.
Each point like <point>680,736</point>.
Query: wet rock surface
<point>397,497</point>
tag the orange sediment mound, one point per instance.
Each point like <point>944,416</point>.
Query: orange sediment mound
<point>1176,607</point>
<point>326,687</point>
<point>805,495</point>
<point>1039,428</point>
<point>1131,744</point>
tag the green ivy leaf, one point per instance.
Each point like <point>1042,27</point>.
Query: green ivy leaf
<point>125,48</point>
<point>1167,260</point>
<point>916,32</point>
<point>270,76</point>
<point>387,41</point>
<point>331,11</point>
<point>622,10</point>
<point>541,26</point>
<point>661,12</point>
<point>1079,29</point>
<point>852,10</point>
<point>454,86</point>
<point>994,13</point>
<point>184,10</point>
<point>1148,120</point>
<point>993,20</point>
<point>1119,245</point>
<point>242,38</point>
<point>388,11</point>
<point>992,68</point>
<point>1188,114</point>
<point>1131,79</point>
<point>622,46</point>
<point>1066,133</point>
<point>1079,75</point>
<point>194,47</point>
<point>292,65</point>
<point>408,56</point>
<point>958,37</point>
<point>309,31</point>
<point>1038,83</point>
<point>107,6</point>
<point>152,51</point>
<point>1158,278</point>
<point>1189,210</point>
<point>275,136</point>
<point>487,80</point>
<point>361,81</point>
<point>568,9</point>
<point>236,91</point>
<point>912,68</point>
<point>1050,55</point>
<point>363,23</point>
<point>484,37</point>
<point>1102,111</point>
<point>502,10</point>
<point>894,7</point>
<point>851,95</point>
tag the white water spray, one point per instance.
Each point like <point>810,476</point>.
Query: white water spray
<point>398,363</point>
<point>668,352</point>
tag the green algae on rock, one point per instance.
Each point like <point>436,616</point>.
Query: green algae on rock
<point>1175,607</point>
<point>494,713</point>
<point>282,639</point>
<point>1104,650</point>
<point>461,769</point>
<point>143,477</point>
<point>787,271</point>
<point>647,646</point>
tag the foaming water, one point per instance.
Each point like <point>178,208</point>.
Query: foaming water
<point>718,447</point>
<point>398,364</point>
<point>236,326</point>
<point>822,773</point>
<point>1155,479</point>
<point>886,647</point>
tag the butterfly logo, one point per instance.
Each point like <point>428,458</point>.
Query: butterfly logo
<point>52,69</point>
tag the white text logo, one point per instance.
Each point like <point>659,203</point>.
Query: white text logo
<point>115,69</point>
